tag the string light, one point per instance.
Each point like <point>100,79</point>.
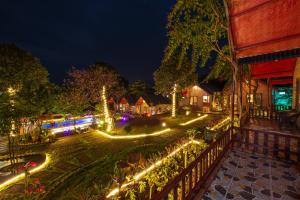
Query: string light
<point>193,120</point>
<point>174,100</point>
<point>150,168</point>
<point>133,136</point>
<point>106,112</point>
<point>220,124</point>
<point>22,175</point>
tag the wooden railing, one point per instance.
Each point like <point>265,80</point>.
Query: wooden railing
<point>263,113</point>
<point>275,144</point>
<point>195,175</point>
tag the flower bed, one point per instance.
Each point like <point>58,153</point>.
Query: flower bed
<point>159,171</point>
<point>25,164</point>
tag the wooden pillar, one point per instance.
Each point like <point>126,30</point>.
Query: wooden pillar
<point>241,92</point>
<point>232,100</point>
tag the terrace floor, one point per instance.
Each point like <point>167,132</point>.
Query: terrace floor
<point>270,125</point>
<point>248,176</point>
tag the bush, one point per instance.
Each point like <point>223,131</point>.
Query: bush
<point>127,128</point>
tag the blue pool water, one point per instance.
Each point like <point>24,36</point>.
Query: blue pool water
<point>68,123</point>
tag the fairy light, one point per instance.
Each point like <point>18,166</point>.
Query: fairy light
<point>193,120</point>
<point>220,124</point>
<point>105,108</point>
<point>150,168</point>
<point>174,100</point>
<point>132,136</point>
<point>22,175</point>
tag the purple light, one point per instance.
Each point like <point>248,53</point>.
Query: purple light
<point>124,118</point>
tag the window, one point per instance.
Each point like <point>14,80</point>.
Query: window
<point>193,100</point>
<point>205,99</point>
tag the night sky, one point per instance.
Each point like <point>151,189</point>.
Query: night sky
<point>129,34</point>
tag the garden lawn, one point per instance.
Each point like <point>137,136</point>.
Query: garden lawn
<point>148,125</point>
<point>82,165</point>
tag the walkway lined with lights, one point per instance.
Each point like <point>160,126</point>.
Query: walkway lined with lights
<point>156,133</point>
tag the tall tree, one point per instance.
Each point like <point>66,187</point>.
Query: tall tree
<point>82,88</point>
<point>198,28</point>
<point>139,88</point>
<point>168,74</point>
<point>25,90</point>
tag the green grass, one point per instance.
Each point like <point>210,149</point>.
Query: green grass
<point>82,161</point>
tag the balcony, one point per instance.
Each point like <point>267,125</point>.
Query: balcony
<point>258,161</point>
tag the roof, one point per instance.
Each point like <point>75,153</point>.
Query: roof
<point>156,99</point>
<point>262,27</point>
<point>274,69</point>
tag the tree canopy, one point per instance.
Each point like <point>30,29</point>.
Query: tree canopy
<point>196,29</point>
<point>82,88</point>
<point>28,78</point>
<point>168,74</point>
<point>139,88</point>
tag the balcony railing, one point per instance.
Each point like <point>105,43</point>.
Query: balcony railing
<point>263,113</point>
<point>195,175</point>
<point>275,144</point>
<point>194,178</point>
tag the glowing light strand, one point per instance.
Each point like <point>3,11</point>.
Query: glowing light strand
<point>174,101</point>
<point>220,124</point>
<point>194,120</point>
<point>21,176</point>
<point>105,108</point>
<point>133,136</point>
<point>150,168</point>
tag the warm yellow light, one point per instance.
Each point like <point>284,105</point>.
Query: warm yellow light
<point>193,120</point>
<point>132,136</point>
<point>174,101</point>
<point>150,168</point>
<point>164,124</point>
<point>187,112</point>
<point>22,175</point>
<point>220,124</point>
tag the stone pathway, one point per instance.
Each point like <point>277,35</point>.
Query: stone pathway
<point>255,177</point>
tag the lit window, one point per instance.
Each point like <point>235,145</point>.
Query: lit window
<point>206,99</point>
<point>193,100</point>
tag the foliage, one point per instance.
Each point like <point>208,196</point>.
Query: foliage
<point>139,88</point>
<point>82,89</point>
<point>199,27</point>
<point>157,178</point>
<point>127,128</point>
<point>27,78</point>
<point>168,74</point>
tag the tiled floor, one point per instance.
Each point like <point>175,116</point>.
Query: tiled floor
<point>270,125</point>
<point>254,177</point>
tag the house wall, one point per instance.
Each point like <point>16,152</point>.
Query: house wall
<point>197,93</point>
<point>296,86</point>
<point>262,89</point>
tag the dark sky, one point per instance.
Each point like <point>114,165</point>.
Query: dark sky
<point>129,34</point>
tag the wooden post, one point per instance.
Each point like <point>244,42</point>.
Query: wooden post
<point>241,93</point>
<point>232,100</point>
